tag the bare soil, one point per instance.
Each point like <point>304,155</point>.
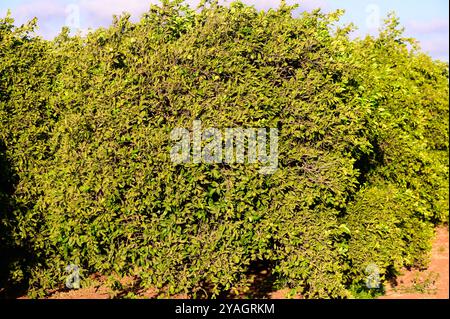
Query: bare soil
<point>432,283</point>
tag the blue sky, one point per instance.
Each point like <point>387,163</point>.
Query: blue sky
<point>427,21</point>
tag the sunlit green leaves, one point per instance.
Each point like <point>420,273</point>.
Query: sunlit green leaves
<point>86,122</point>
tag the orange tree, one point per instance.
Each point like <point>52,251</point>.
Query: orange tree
<point>86,122</point>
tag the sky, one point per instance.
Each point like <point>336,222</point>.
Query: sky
<point>427,21</point>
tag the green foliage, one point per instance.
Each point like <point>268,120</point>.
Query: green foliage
<point>86,122</point>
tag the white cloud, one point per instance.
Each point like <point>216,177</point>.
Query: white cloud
<point>433,36</point>
<point>42,9</point>
<point>52,15</point>
<point>439,25</point>
<point>436,46</point>
<point>105,9</point>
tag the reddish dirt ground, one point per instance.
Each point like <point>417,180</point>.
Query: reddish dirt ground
<point>432,283</point>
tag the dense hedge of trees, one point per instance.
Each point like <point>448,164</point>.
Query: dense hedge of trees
<point>86,176</point>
